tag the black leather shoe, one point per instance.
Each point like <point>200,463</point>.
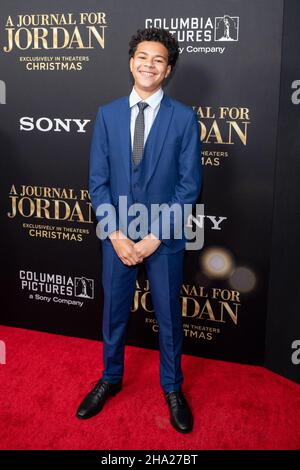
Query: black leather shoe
<point>95,399</point>
<point>180,413</point>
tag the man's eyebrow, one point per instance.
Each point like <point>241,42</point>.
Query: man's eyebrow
<point>156,55</point>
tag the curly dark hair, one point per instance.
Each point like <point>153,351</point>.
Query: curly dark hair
<point>160,35</point>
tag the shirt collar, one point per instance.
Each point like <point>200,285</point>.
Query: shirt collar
<point>152,100</point>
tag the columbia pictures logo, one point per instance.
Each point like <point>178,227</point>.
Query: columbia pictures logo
<point>84,287</point>
<point>2,92</point>
<point>226,28</point>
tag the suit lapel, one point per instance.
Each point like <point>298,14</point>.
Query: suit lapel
<point>156,138</point>
<point>125,137</point>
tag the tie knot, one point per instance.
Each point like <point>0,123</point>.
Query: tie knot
<point>142,105</point>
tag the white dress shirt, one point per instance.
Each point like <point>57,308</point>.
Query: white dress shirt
<point>149,113</point>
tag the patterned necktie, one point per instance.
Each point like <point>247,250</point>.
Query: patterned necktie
<point>138,139</point>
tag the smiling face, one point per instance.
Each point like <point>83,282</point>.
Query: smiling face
<point>149,67</point>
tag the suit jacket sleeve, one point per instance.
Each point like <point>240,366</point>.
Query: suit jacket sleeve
<point>99,178</point>
<point>188,187</point>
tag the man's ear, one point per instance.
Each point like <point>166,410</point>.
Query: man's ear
<point>130,63</point>
<point>168,71</point>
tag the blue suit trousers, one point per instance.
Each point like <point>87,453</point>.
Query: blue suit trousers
<point>165,273</point>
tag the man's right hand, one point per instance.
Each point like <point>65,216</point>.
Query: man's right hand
<point>125,248</point>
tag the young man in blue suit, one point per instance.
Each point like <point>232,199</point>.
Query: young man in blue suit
<point>146,148</point>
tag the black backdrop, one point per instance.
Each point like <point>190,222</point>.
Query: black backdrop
<point>51,89</point>
<point>283,332</point>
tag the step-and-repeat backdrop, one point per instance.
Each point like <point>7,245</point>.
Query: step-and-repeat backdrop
<point>283,322</point>
<point>60,61</point>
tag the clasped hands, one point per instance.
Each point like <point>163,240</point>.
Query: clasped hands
<point>131,253</point>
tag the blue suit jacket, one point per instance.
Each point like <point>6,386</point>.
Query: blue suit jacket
<point>170,171</point>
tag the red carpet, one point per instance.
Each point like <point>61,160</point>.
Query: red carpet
<point>46,376</point>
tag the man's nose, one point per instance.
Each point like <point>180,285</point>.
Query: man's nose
<point>149,63</point>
